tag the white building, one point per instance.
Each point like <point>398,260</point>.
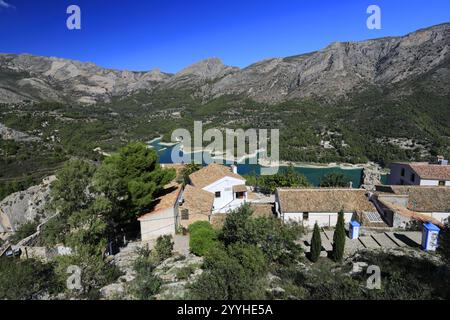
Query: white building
<point>321,205</point>
<point>213,189</point>
<point>225,183</point>
<point>420,174</point>
<point>422,203</point>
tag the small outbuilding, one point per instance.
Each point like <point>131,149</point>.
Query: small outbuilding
<point>321,205</point>
<point>163,218</point>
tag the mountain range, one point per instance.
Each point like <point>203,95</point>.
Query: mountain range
<point>337,71</point>
<point>379,100</point>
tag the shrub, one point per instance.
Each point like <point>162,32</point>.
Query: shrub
<point>23,279</point>
<point>164,247</point>
<point>95,272</point>
<point>199,225</point>
<point>202,237</point>
<point>25,230</point>
<point>185,272</point>
<point>146,284</point>
<point>276,239</point>
<point>316,244</point>
<point>233,273</point>
<point>250,257</point>
<point>237,227</point>
<point>285,178</point>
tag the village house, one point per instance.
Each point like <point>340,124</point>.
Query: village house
<point>196,205</point>
<point>420,173</point>
<point>322,205</point>
<point>213,190</point>
<point>401,205</point>
<point>227,186</point>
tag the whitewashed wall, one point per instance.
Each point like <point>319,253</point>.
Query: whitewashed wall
<point>424,182</point>
<point>225,186</point>
<point>158,224</point>
<point>395,177</point>
<point>441,216</point>
<point>434,183</point>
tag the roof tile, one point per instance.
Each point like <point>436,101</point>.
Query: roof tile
<point>211,174</point>
<point>324,200</point>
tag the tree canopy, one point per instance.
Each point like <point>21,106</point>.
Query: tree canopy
<point>334,179</point>
<point>283,179</point>
<point>131,179</point>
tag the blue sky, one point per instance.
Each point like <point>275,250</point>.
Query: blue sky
<point>171,34</point>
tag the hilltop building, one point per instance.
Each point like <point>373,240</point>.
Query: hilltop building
<point>321,205</point>
<point>214,189</point>
<point>400,205</point>
<point>420,173</point>
<point>225,183</point>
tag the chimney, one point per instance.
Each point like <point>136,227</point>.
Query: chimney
<point>234,169</point>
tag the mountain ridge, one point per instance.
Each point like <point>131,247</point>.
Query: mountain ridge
<point>332,72</point>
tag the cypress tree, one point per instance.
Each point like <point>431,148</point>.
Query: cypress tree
<point>339,238</point>
<point>316,244</point>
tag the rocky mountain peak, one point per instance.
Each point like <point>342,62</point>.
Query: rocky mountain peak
<point>206,69</point>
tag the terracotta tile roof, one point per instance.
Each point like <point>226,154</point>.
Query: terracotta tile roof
<point>167,200</point>
<point>240,188</point>
<point>410,214</point>
<point>197,201</point>
<point>430,171</point>
<point>324,200</point>
<point>422,198</point>
<point>210,174</point>
<point>262,210</point>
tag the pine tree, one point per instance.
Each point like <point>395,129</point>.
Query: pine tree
<point>316,244</point>
<point>339,238</point>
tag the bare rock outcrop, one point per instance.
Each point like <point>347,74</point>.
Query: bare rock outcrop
<point>371,176</point>
<point>25,206</point>
<point>11,134</point>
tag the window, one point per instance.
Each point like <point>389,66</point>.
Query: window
<point>240,195</point>
<point>441,183</point>
<point>185,214</point>
<point>305,215</point>
<point>217,194</point>
<point>413,177</point>
<point>403,172</point>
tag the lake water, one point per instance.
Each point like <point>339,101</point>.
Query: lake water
<point>314,175</point>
